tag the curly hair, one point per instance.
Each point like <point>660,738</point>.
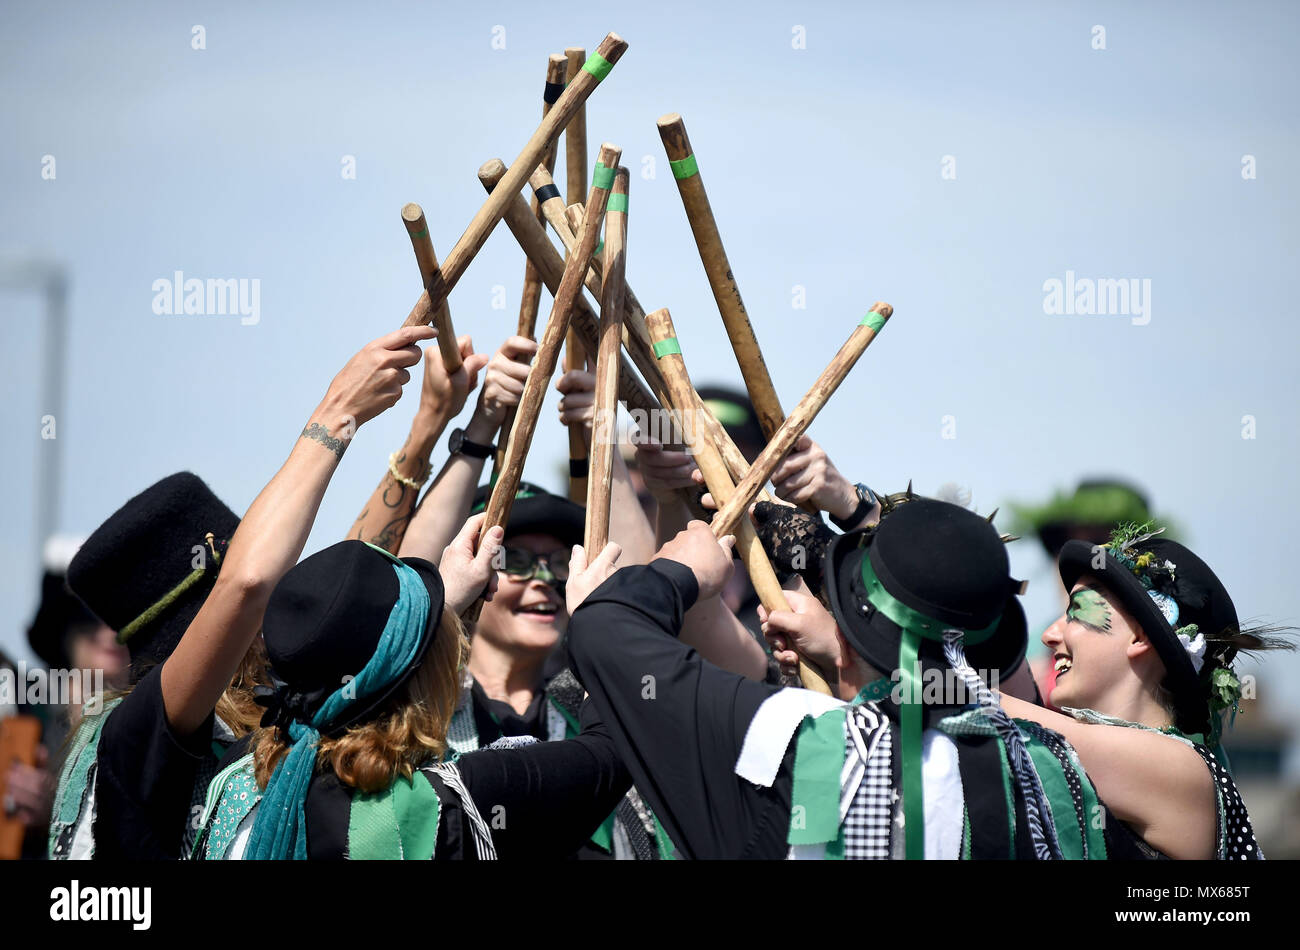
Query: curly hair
<point>408,731</point>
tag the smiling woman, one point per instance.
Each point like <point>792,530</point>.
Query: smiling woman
<point>1143,658</point>
<point>521,626</point>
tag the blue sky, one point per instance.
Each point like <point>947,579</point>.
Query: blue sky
<point>823,166</point>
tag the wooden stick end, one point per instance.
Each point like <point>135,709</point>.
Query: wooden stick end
<point>882,308</point>
<point>660,325</point>
<point>413,215</point>
<point>672,131</point>
<point>612,47</point>
<point>609,154</point>
<point>491,172</point>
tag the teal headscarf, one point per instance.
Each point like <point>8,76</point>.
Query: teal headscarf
<point>280,829</point>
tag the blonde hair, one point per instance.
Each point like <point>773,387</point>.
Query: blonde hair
<point>405,733</point>
<point>237,707</point>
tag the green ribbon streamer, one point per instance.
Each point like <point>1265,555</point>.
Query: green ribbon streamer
<point>603,177</point>
<point>684,167</point>
<point>618,203</point>
<point>873,320</point>
<point>1059,801</point>
<point>598,66</point>
<point>913,620</point>
<point>1011,801</point>
<point>666,346</point>
<point>815,788</point>
<point>915,625</point>
<point>667,850</point>
<point>913,800</point>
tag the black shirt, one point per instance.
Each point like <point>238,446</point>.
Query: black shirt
<point>145,776</point>
<point>495,718</point>
<point>677,720</point>
<point>540,801</point>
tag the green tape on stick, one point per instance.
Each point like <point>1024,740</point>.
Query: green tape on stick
<point>667,346</point>
<point>598,66</point>
<point>873,320</point>
<point>419,234</point>
<point>599,247</point>
<point>617,202</point>
<point>603,177</point>
<point>685,167</point>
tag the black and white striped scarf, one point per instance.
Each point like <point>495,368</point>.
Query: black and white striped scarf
<point>1038,816</point>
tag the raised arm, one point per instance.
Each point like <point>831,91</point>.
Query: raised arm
<point>677,720</point>
<point>1157,785</point>
<point>446,505</point>
<point>628,524</point>
<point>384,519</point>
<point>271,535</point>
<point>709,626</point>
<point>808,475</point>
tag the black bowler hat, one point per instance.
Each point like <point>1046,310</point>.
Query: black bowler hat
<point>147,570</point>
<point>938,566</point>
<point>324,621</point>
<point>537,511</point>
<point>1131,571</point>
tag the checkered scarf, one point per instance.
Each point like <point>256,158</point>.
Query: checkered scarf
<point>866,786</point>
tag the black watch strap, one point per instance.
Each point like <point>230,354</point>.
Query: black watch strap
<point>866,501</point>
<point>475,450</point>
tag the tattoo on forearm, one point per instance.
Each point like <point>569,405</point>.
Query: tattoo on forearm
<point>322,435</point>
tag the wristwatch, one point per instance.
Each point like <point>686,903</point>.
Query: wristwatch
<point>458,443</point>
<point>866,501</point>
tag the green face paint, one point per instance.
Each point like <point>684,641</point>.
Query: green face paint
<point>1090,609</point>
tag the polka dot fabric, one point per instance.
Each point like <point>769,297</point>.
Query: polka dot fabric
<point>1236,836</point>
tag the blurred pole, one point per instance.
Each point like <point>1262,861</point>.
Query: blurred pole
<point>49,466</point>
<point>52,281</point>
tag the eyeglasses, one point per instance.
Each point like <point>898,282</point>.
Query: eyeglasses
<point>524,565</point>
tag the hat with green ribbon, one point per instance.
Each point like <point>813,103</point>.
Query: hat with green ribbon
<point>928,569</point>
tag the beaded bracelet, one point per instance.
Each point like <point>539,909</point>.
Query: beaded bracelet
<point>402,479</point>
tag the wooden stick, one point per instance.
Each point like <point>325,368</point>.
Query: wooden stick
<point>718,269</point>
<point>636,339</point>
<point>548,350</point>
<point>418,229</point>
<point>532,295</point>
<point>718,478</point>
<point>609,51</point>
<point>532,238</point>
<point>575,182</point>
<point>604,428</point>
<point>550,265</point>
<point>730,513</point>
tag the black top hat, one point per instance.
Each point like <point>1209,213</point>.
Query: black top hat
<point>324,620</point>
<point>147,570</point>
<point>1130,571</point>
<point>537,511</point>
<point>946,567</point>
